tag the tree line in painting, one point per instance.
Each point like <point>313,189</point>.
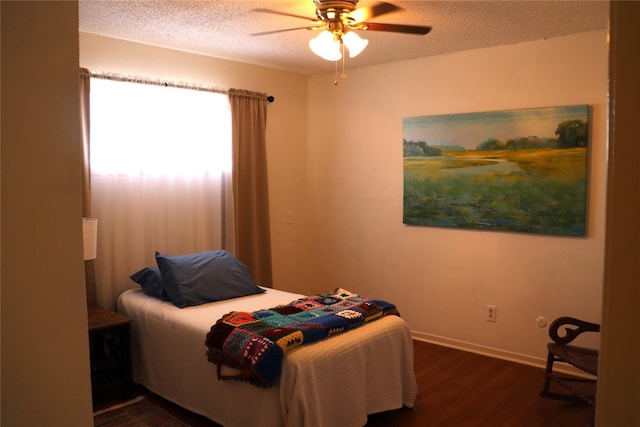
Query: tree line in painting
<point>570,134</point>
<point>528,184</point>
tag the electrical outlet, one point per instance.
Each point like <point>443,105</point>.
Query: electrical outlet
<point>491,313</point>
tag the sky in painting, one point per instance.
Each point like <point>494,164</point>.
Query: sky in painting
<point>470,129</point>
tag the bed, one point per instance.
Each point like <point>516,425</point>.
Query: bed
<point>333,382</point>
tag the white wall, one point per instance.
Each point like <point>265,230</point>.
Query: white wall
<point>45,345</point>
<point>286,129</point>
<point>336,164</point>
<point>442,279</point>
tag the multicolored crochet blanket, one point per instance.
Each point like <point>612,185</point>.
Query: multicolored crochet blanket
<point>251,346</point>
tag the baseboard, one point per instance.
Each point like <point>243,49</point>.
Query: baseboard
<point>498,354</point>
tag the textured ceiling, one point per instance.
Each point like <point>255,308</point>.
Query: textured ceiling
<point>224,29</point>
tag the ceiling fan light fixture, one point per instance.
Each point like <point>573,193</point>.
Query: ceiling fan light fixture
<point>354,43</point>
<point>326,46</point>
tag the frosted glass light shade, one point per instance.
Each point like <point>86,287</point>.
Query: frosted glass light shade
<point>89,237</point>
<point>354,43</point>
<point>326,46</point>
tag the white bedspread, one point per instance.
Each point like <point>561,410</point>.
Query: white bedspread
<point>334,382</point>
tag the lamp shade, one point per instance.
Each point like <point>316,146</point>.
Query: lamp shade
<point>89,237</point>
<point>354,43</point>
<point>326,46</point>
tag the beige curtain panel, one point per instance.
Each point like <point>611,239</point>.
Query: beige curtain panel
<point>250,183</point>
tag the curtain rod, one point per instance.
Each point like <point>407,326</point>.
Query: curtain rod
<point>167,83</point>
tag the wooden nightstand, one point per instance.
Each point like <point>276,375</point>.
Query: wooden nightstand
<point>110,350</point>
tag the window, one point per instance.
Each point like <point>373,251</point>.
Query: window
<point>161,175</point>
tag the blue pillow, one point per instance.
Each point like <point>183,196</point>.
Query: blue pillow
<point>203,277</point>
<point>150,280</point>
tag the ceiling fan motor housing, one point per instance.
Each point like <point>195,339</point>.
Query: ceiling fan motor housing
<point>334,10</point>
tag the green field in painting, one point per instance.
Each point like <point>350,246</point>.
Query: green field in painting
<point>535,191</point>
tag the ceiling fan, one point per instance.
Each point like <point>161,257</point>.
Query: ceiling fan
<point>337,20</point>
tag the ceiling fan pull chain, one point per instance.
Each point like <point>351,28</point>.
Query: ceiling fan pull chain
<point>344,75</point>
<point>335,80</point>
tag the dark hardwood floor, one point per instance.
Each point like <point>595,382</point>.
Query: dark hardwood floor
<point>461,389</point>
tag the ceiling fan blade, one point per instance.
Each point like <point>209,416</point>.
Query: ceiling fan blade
<point>264,33</point>
<point>367,12</point>
<point>277,12</point>
<point>396,28</point>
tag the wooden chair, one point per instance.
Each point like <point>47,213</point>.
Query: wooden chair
<point>585,359</point>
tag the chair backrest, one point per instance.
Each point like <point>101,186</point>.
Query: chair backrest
<point>570,333</point>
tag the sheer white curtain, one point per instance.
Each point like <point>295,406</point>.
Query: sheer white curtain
<point>161,177</point>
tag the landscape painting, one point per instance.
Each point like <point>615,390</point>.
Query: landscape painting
<point>517,171</point>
